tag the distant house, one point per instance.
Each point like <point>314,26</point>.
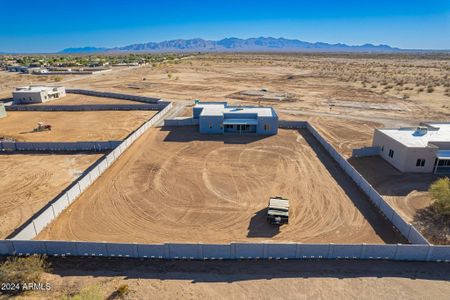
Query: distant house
<point>37,94</point>
<point>35,70</point>
<point>16,68</point>
<point>423,149</point>
<point>219,118</point>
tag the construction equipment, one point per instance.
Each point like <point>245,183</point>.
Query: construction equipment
<point>278,211</point>
<point>41,126</point>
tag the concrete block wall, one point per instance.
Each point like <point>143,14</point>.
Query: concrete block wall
<point>113,95</point>
<point>199,251</point>
<point>59,146</point>
<point>366,151</point>
<point>87,107</point>
<point>292,124</point>
<point>188,121</point>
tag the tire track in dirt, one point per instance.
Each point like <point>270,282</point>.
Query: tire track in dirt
<point>181,186</point>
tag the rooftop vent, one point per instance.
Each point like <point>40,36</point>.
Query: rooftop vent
<point>420,131</point>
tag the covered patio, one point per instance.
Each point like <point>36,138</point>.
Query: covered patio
<point>239,126</point>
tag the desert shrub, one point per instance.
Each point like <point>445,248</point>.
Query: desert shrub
<point>57,78</point>
<point>23,269</point>
<point>405,96</point>
<point>440,192</point>
<point>420,90</point>
<point>91,292</point>
<point>122,291</point>
<point>430,89</point>
<point>169,75</point>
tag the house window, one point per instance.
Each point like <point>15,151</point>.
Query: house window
<point>228,126</point>
<point>266,127</point>
<point>420,162</point>
<point>382,149</point>
<point>210,125</point>
<point>391,153</point>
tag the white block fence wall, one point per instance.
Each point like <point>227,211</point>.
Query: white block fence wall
<point>88,107</point>
<point>58,146</point>
<point>366,151</point>
<point>228,251</point>
<point>113,95</point>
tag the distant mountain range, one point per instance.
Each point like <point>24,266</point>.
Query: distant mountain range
<point>263,44</point>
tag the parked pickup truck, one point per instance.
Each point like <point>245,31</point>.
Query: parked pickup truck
<point>278,211</point>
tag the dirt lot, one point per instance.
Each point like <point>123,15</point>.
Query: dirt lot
<point>384,88</point>
<point>28,182</point>
<point>407,194</point>
<point>72,126</point>
<point>249,279</point>
<point>180,186</point>
<point>77,99</point>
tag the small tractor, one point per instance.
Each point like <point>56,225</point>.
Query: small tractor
<point>278,211</point>
<point>41,126</point>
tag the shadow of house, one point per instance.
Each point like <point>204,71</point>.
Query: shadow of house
<point>382,227</point>
<point>387,180</point>
<point>185,134</point>
<point>260,228</point>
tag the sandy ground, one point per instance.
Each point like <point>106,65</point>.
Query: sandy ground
<point>180,186</point>
<point>314,85</point>
<point>250,279</point>
<point>407,194</point>
<point>72,126</point>
<point>76,99</point>
<point>343,134</point>
<point>28,182</point>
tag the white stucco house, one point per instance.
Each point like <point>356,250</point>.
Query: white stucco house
<point>423,149</point>
<point>37,94</point>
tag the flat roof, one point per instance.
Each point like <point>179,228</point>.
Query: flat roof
<point>220,108</point>
<point>35,88</point>
<point>421,138</point>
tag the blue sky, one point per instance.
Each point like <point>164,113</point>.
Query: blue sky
<point>48,25</point>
